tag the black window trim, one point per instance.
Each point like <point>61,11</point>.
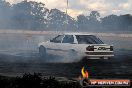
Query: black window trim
<point>56,37</point>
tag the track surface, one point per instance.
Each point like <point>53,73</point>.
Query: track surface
<point>29,62</point>
<point>18,55</point>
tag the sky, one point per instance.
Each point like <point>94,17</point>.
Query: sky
<point>77,7</point>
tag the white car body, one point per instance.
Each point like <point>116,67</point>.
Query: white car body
<point>89,49</point>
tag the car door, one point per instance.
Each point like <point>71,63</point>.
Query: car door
<point>54,47</point>
<point>67,43</point>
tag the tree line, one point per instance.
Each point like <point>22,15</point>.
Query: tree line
<point>31,15</point>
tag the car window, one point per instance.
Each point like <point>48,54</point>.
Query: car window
<point>68,39</point>
<point>88,39</point>
<point>57,39</point>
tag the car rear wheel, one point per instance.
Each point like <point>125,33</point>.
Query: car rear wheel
<point>42,51</point>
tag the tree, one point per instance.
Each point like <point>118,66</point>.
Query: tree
<point>94,21</point>
<point>94,15</point>
<point>82,22</point>
<point>91,22</point>
<point>4,14</point>
<point>125,22</point>
<point>57,21</point>
<point>30,15</point>
<point>110,22</point>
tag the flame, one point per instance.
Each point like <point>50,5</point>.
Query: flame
<point>84,73</point>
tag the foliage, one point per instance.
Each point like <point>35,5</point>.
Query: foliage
<point>31,15</point>
<point>35,81</point>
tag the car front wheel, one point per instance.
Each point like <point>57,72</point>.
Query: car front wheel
<point>42,51</point>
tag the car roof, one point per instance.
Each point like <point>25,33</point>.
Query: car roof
<point>77,33</point>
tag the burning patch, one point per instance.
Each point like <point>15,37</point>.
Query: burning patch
<point>84,73</point>
<point>85,81</point>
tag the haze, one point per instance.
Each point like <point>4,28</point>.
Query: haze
<point>76,7</point>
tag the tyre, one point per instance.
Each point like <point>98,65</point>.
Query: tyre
<point>42,52</point>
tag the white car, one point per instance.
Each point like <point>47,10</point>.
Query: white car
<point>77,44</point>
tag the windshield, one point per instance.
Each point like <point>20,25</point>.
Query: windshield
<point>88,39</point>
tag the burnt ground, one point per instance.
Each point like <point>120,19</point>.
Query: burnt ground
<point>17,64</point>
